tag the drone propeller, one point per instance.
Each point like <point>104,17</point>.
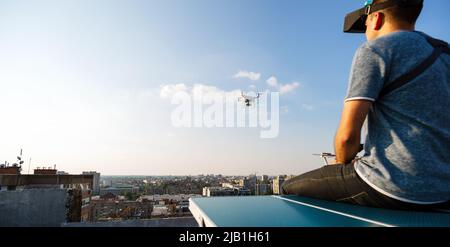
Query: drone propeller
<point>325,155</point>
<point>250,97</point>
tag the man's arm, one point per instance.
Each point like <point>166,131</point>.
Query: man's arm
<point>348,137</point>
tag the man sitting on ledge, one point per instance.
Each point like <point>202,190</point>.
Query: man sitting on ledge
<point>400,82</point>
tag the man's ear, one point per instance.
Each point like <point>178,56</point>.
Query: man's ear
<point>379,20</point>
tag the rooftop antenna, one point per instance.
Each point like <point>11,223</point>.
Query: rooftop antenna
<point>19,161</point>
<point>29,165</point>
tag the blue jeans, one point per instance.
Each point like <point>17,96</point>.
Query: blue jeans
<point>341,183</point>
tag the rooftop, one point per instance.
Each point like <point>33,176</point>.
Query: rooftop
<point>22,180</point>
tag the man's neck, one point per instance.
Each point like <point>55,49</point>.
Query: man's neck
<point>388,29</point>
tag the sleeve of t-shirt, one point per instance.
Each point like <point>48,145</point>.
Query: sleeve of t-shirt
<point>367,75</point>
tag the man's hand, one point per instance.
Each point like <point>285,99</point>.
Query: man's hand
<point>348,138</point>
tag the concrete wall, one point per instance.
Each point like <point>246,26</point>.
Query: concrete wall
<point>33,207</point>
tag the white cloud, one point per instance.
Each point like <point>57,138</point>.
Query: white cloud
<point>284,109</point>
<point>307,107</point>
<point>168,91</point>
<point>201,89</point>
<point>198,92</point>
<point>284,89</point>
<point>249,75</point>
<point>272,81</point>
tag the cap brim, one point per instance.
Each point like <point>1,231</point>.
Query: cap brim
<point>355,22</point>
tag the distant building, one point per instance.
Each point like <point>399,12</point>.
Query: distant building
<point>160,211</point>
<point>96,182</point>
<point>277,183</point>
<point>242,192</point>
<point>110,207</point>
<point>249,183</point>
<point>119,190</point>
<point>179,197</point>
<point>262,189</point>
<point>264,179</point>
<point>10,170</point>
<point>109,197</point>
<point>217,191</point>
<point>228,185</point>
<point>44,199</point>
<point>224,191</point>
<point>244,182</point>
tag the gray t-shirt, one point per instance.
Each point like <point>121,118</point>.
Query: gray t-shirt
<point>407,148</point>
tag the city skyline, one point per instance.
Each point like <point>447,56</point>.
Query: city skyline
<point>86,85</point>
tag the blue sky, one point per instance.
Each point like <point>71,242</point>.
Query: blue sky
<point>80,81</point>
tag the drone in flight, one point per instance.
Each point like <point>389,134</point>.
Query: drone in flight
<point>248,100</point>
<point>326,156</point>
